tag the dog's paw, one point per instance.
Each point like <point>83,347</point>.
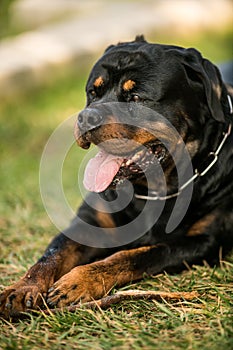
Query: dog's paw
<point>18,298</point>
<point>83,283</point>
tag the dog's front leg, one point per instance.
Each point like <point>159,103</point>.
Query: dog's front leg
<point>93,281</point>
<point>59,258</point>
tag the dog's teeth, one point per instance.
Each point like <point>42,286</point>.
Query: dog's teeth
<point>137,156</point>
<point>141,152</point>
<point>142,158</point>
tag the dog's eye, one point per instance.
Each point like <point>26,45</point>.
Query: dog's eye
<point>92,93</point>
<point>135,98</point>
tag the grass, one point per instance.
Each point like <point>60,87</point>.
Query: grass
<point>204,323</point>
<point>25,229</point>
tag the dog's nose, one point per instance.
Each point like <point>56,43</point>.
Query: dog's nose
<point>89,119</point>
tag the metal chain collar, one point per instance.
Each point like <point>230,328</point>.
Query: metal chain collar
<point>155,196</point>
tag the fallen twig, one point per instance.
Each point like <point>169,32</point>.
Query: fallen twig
<point>120,296</point>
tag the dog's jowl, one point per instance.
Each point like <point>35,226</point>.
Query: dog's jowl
<point>148,107</point>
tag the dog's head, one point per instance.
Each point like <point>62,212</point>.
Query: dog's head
<point>135,92</point>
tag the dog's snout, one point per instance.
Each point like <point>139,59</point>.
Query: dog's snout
<point>89,118</point>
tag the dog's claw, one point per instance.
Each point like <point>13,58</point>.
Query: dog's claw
<point>20,298</point>
<point>29,304</point>
<point>8,306</point>
<point>51,303</point>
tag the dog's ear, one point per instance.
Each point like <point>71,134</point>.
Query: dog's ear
<point>109,48</point>
<point>209,75</point>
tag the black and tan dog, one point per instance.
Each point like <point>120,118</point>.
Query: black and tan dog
<point>188,91</point>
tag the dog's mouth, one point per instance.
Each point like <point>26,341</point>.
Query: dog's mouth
<point>108,170</point>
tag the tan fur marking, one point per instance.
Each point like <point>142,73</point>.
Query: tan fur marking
<point>105,220</point>
<point>128,85</point>
<point>98,82</point>
<point>229,90</point>
<point>200,226</point>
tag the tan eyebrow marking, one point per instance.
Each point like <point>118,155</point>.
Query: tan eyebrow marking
<point>98,82</point>
<point>128,85</point>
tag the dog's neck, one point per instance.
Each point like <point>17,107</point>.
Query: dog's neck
<point>198,172</point>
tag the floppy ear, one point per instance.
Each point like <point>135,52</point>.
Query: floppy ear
<point>210,77</point>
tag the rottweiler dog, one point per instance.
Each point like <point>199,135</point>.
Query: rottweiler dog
<point>144,103</point>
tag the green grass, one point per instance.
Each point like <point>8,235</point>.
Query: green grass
<point>25,229</point>
<point>204,323</point>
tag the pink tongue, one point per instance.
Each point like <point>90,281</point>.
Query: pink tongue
<point>100,171</point>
